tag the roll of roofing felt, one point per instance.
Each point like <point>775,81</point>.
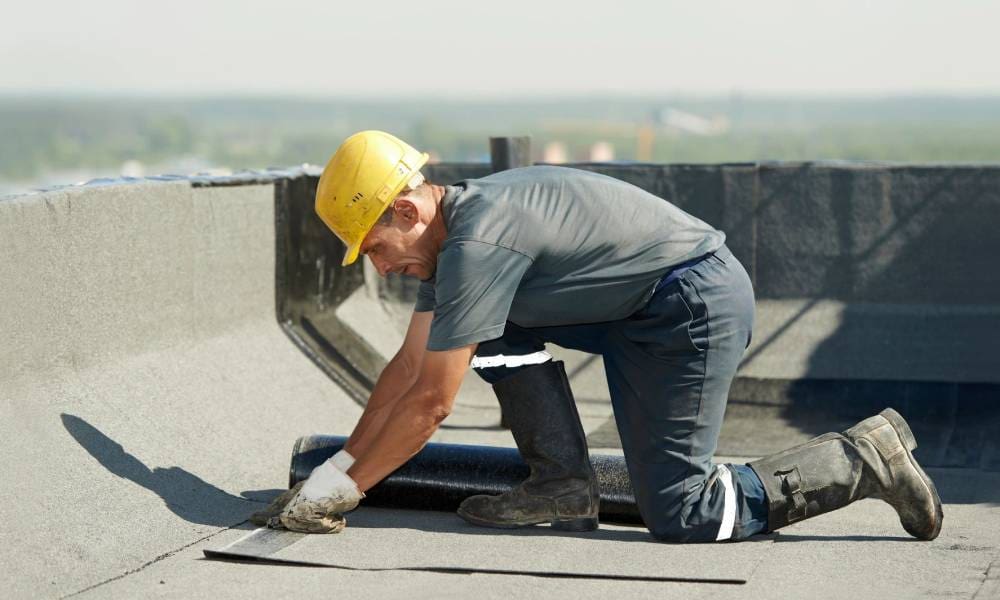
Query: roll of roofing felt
<point>440,476</point>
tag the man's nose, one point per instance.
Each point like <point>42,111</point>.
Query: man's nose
<point>380,265</point>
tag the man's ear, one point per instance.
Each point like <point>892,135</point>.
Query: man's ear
<point>407,210</point>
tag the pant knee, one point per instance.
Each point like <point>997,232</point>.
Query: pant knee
<point>674,531</point>
<point>732,506</point>
<point>664,516</point>
<point>677,531</point>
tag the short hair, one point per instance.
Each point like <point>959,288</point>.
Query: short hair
<point>415,182</point>
<point>385,219</point>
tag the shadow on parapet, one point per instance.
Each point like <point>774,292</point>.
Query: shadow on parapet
<point>909,253</point>
<point>184,493</point>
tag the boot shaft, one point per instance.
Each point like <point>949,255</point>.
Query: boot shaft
<point>810,479</point>
<point>538,404</point>
<point>562,489</point>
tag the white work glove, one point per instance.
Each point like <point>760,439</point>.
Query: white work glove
<point>270,516</point>
<point>319,505</point>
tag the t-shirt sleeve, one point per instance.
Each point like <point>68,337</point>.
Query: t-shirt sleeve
<point>474,289</point>
<point>425,296</point>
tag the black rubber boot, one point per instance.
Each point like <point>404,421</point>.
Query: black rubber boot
<point>562,489</point>
<point>872,459</point>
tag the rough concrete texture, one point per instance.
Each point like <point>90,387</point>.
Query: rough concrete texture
<point>149,400</point>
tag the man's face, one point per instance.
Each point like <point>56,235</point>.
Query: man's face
<point>398,247</point>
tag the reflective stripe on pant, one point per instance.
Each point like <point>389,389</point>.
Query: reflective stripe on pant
<point>669,368</point>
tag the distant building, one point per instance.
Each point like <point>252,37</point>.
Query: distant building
<point>554,152</point>
<point>695,124</point>
<point>602,152</point>
<point>132,168</point>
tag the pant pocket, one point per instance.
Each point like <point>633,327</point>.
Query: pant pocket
<point>663,329</point>
<point>697,327</point>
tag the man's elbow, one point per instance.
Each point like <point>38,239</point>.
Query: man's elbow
<point>439,409</point>
<point>435,405</point>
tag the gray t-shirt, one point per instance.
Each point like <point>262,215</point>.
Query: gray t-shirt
<point>543,245</point>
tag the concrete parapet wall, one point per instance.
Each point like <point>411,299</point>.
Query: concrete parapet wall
<point>98,273</point>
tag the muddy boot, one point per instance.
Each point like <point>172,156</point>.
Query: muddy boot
<point>872,459</point>
<point>562,488</point>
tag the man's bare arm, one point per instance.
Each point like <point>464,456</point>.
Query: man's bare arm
<point>415,417</point>
<point>395,380</point>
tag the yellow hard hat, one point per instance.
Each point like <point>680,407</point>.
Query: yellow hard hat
<point>360,181</point>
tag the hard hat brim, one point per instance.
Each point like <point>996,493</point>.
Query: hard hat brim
<point>351,254</point>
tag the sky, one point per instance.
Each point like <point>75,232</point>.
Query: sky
<point>465,49</point>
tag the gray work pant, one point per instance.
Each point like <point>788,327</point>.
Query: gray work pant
<point>669,368</point>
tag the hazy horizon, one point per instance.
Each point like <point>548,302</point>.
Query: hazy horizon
<point>59,139</point>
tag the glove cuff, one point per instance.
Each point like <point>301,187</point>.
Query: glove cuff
<point>327,480</point>
<point>342,460</point>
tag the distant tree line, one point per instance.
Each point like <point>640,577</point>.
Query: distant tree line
<point>48,134</point>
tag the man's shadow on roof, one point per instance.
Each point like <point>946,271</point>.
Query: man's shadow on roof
<point>184,493</point>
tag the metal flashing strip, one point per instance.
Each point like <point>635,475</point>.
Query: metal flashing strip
<point>240,177</point>
<point>259,543</point>
<point>263,546</point>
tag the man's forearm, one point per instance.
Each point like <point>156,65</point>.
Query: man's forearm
<point>395,380</point>
<point>412,421</point>
<point>414,417</point>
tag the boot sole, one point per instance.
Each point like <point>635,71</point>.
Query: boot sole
<point>568,524</point>
<point>902,429</point>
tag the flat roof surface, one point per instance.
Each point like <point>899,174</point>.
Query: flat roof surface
<point>860,551</point>
<point>149,401</point>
